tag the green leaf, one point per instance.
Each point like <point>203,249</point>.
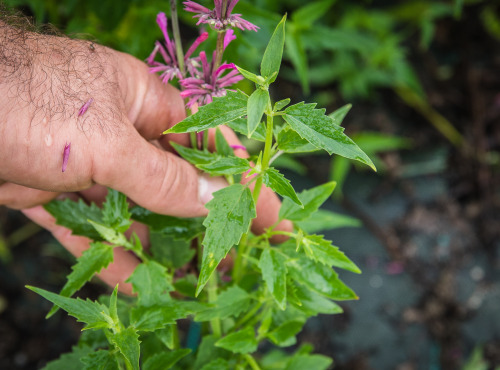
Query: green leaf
<point>256,106</point>
<point>290,142</point>
<point>170,252</point>
<point>231,302</point>
<point>74,216</point>
<point>194,156</point>
<point>91,262</point>
<point>225,166</point>
<point>218,364</point>
<point>157,317</point>
<point>110,235</point>
<point>251,76</point>
<point>279,105</point>
<point>313,303</point>
<point>230,213</point>
<point>326,220</point>
<point>338,115</point>
<point>127,342</point>
<point>274,52</point>
<point>221,145</point>
<point>276,181</point>
<point>272,266</point>
<point>240,126</point>
<point>207,354</point>
<point>115,211</point>
<point>99,360</point>
<point>167,336</point>
<point>221,111</point>
<point>93,314</point>
<point>322,251</point>
<point>320,278</point>
<point>151,283</point>
<point>312,199</point>
<point>306,15</point>
<point>316,362</point>
<point>166,360</point>
<point>70,360</point>
<point>312,124</point>
<point>178,228</point>
<point>113,305</point>
<point>284,334</point>
<point>242,341</point>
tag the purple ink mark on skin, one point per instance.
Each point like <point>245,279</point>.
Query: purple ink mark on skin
<point>238,147</point>
<point>84,107</point>
<point>67,149</point>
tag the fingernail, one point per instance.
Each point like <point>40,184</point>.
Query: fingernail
<point>208,185</point>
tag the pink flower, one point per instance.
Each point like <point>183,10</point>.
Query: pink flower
<point>218,18</point>
<point>209,83</point>
<point>170,68</point>
<point>67,149</point>
<point>85,107</point>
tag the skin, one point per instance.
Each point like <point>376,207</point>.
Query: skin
<point>116,143</point>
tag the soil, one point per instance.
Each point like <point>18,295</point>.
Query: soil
<point>429,248</point>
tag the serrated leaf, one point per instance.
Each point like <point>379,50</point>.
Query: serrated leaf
<point>169,252</point>
<point>272,266</point>
<point>322,251</point>
<point>127,342</point>
<point>311,199</point>
<point>279,105</point>
<point>225,166</point>
<point>207,353</point>
<point>178,228</point>
<point>327,220</point>
<point>338,115</point>
<point>165,360</point>
<point>221,111</point>
<point>256,106</point>
<point>240,126</point>
<point>99,360</point>
<point>70,360</point>
<point>157,317</point>
<point>230,213</point>
<point>312,124</point>
<point>316,362</point>
<point>115,211</point>
<point>110,235</point>
<point>242,341</point>
<point>313,303</point>
<point>231,302</point>
<point>290,142</point>
<point>221,145</point>
<point>271,61</point>
<point>217,364</point>
<point>151,283</point>
<point>93,314</point>
<point>194,156</point>
<point>91,262</point>
<point>320,278</point>
<point>74,216</point>
<point>282,335</point>
<point>281,185</point>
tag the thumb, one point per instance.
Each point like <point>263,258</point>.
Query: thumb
<point>155,179</point>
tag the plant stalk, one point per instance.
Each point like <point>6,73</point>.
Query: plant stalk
<point>177,36</point>
<point>212,297</point>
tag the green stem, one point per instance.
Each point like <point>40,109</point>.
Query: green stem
<point>212,297</point>
<point>177,35</point>
<point>237,268</point>
<point>269,143</point>
<point>250,314</point>
<point>251,361</point>
<point>219,49</point>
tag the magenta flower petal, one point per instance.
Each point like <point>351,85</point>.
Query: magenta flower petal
<point>238,147</point>
<point>66,151</point>
<point>85,107</point>
<point>196,43</point>
<point>228,37</point>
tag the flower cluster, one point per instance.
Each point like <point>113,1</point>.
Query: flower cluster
<point>201,80</point>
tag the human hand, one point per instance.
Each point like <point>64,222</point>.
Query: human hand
<point>116,142</point>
